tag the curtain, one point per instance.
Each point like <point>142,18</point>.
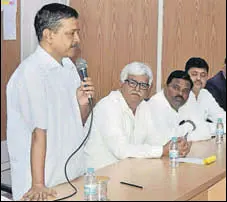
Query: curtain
<point>29,9</point>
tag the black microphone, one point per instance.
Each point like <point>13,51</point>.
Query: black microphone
<point>81,66</point>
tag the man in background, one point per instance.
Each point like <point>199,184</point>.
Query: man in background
<point>120,128</point>
<point>205,103</point>
<point>46,107</point>
<point>217,87</point>
<point>170,115</point>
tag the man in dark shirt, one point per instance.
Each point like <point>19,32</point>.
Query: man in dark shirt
<point>217,87</point>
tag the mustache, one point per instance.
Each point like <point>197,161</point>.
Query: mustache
<point>198,81</point>
<point>136,93</point>
<point>75,45</point>
<point>178,96</point>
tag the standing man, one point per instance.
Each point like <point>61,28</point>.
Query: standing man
<point>46,107</point>
<point>217,87</point>
<point>198,70</point>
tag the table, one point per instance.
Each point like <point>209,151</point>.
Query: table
<point>160,182</point>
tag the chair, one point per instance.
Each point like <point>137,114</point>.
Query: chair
<point>6,188</point>
<point>6,191</point>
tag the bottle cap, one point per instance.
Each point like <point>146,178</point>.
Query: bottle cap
<point>90,170</point>
<point>219,120</point>
<point>174,139</point>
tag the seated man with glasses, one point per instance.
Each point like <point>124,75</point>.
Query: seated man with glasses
<point>206,104</point>
<point>119,126</point>
<point>170,115</point>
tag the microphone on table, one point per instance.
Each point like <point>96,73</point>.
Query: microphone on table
<point>81,66</point>
<point>188,121</point>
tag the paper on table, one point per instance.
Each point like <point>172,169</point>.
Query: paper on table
<point>200,161</point>
<point>190,160</point>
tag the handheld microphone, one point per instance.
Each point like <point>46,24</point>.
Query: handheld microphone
<point>81,66</point>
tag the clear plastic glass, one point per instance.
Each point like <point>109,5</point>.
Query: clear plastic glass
<point>102,184</point>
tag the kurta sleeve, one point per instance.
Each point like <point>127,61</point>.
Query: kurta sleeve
<point>34,82</point>
<point>215,112</point>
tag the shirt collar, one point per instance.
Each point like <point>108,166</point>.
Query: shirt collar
<point>46,59</point>
<point>124,104</point>
<point>169,105</point>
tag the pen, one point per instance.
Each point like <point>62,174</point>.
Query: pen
<point>133,185</point>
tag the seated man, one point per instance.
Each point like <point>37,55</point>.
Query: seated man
<point>217,87</point>
<point>170,116</point>
<point>198,69</point>
<point>119,126</point>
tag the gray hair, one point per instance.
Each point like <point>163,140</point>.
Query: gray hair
<point>136,69</point>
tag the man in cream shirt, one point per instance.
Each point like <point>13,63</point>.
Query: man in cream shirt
<point>170,115</point>
<point>120,129</point>
<point>46,107</point>
<point>200,97</point>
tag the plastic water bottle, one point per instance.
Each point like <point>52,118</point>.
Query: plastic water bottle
<point>90,186</point>
<point>219,131</point>
<point>173,153</point>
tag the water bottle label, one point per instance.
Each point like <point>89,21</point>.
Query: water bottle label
<point>90,189</point>
<point>220,131</point>
<point>173,154</point>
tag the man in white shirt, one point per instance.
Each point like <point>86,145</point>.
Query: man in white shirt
<point>46,107</point>
<point>120,129</point>
<point>170,116</point>
<point>206,104</point>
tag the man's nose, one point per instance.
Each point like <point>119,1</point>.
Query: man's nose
<point>138,87</point>
<point>198,77</point>
<point>76,38</point>
<point>180,92</point>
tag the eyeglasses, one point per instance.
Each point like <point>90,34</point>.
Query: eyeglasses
<point>133,83</point>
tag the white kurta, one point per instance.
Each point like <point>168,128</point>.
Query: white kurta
<point>208,107</point>
<point>116,133</point>
<point>41,94</point>
<point>165,120</point>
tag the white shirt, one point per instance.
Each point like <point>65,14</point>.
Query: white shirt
<point>41,94</point>
<point>165,121</point>
<point>208,107</point>
<point>116,133</point>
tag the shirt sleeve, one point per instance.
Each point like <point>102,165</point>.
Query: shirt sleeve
<point>115,136</point>
<point>215,112</point>
<point>35,89</point>
<point>215,92</point>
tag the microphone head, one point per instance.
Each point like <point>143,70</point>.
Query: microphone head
<point>81,64</point>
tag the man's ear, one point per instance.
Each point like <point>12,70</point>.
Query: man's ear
<point>47,35</point>
<point>148,94</point>
<point>120,84</point>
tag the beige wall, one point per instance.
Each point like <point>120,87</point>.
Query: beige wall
<point>194,28</point>
<point>116,32</point>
